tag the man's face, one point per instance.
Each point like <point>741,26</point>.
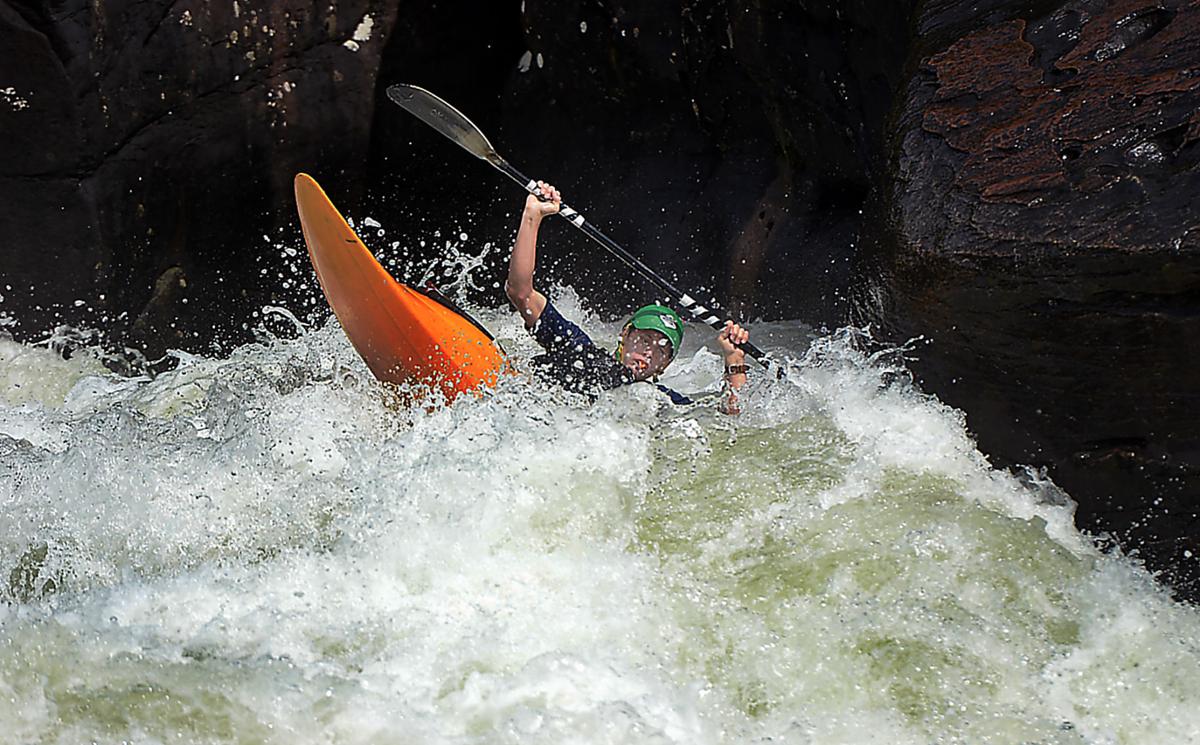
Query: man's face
<point>645,352</point>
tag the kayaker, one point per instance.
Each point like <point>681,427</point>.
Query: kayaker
<point>648,343</point>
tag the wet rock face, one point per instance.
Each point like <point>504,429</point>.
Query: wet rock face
<point>147,147</point>
<point>1045,237</point>
<point>733,142</point>
<point>721,139</point>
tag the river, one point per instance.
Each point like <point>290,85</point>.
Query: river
<point>266,546</point>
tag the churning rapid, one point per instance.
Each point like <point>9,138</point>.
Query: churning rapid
<point>268,547</point>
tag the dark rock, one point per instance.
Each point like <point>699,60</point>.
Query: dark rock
<point>732,143</point>
<point>722,139</point>
<point>1045,236</point>
<point>419,183</point>
<point>141,136</point>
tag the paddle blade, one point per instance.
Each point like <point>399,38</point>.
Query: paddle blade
<point>443,117</point>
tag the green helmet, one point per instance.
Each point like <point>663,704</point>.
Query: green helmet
<point>662,319</point>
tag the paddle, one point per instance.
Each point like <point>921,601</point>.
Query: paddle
<point>451,122</point>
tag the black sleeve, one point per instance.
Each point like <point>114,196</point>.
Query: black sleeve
<point>572,358</point>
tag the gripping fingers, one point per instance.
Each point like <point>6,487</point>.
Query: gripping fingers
<point>735,334</point>
<point>547,193</point>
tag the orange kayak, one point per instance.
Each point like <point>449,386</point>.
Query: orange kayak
<point>404,335</point>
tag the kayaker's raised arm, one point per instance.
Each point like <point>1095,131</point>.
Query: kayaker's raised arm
<point>729,339</point>
<point>648,342</point>
<point>519,287</point>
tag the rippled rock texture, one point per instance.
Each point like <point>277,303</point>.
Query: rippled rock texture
<point>149,145</point>
<point>1045,239</point>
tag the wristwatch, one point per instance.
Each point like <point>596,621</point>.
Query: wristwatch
<point>736,370</point>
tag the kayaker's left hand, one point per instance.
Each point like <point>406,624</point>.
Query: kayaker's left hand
<point>731,336</point>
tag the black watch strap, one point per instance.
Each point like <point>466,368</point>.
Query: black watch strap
<point>737,369</point>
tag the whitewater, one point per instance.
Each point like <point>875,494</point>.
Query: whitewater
<point>267,546</point>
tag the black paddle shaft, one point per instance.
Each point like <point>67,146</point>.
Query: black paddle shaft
<point>452,123</point>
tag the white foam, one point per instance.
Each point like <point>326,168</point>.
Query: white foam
<point>267,547</point>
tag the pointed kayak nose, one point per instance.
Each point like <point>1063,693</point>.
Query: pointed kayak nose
<point>403,335</point>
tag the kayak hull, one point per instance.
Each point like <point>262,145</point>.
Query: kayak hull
<point>404,335</point>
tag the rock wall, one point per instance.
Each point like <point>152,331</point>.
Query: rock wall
<point>149,145</point>
<point>1042,230</point>
<point>732,142</point>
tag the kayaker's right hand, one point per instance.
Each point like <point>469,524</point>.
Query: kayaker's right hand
<point>535,207</point>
